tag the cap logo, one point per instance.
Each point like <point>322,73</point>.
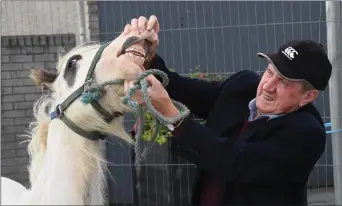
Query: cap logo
<point>290,52</point>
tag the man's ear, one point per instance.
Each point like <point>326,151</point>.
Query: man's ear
<point>42,77</point>
<point>309,96</point>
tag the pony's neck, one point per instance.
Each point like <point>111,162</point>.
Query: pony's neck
<point>72,171</point>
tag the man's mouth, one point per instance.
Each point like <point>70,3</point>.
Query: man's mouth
<point>267,97</point>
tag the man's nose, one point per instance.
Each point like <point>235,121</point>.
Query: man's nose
<point>270,85</point>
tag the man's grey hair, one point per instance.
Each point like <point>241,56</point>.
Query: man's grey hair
<point>306,86</point>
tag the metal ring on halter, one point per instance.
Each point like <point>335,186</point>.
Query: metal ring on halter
<point>57,113</point>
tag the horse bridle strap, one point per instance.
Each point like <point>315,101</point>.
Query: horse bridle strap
<point>86,87</point>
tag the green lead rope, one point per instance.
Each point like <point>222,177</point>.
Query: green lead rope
<point>92,91</point>
<point>159,119</point>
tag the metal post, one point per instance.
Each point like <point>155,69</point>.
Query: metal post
<point>334,46</point>
<point>81,19</point>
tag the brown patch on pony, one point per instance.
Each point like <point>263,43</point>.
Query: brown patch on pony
<point>42,77</point>
<point>43,133</point>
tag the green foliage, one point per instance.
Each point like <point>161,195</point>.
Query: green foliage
<point>164,131</point>
<point>207,76</point>
<point>148,130</point>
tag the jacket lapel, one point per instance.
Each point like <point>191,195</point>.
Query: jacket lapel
<point>252,128</point>
<point>227,114</point>
<point>225,118</point>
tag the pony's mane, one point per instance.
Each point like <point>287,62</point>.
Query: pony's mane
<point>38,132</point>
<point>38,129</point>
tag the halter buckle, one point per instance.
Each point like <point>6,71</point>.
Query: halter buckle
<point>57,113</point>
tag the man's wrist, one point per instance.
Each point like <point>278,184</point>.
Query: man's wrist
<point>170,111</point>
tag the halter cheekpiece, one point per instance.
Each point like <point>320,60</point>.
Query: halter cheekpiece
<point>89,93</point>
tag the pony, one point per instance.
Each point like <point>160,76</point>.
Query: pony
<point>66,166</point>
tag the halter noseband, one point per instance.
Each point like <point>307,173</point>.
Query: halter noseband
<point>86,88</point>
<point>90,92</point>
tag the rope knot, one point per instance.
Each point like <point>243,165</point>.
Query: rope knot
<point>90,85</point>
<point>91,91</point>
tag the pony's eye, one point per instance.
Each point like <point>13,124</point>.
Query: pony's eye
<point>72,62</point>
<point>71,69</point>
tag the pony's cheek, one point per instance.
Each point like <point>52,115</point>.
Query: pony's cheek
<point>132,73</point>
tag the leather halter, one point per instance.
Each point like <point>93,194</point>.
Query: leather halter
<point>61,108</point>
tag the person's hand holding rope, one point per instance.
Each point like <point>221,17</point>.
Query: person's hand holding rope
<point>160,99</point>
<point>156,91</point>
<point>147,94</point>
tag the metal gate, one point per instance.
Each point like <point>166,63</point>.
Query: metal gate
<point>212,37</point>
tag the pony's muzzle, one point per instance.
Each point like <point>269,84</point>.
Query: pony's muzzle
<point>145,36</point>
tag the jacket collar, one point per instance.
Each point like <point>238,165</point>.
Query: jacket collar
<point>253,110</point>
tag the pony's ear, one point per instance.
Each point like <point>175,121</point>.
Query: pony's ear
<point>42,77</point>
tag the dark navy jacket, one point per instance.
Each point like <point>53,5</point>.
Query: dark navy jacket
<point>267,164</point>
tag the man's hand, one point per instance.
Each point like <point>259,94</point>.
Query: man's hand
<point>159,98</point>
<point>151,23</point>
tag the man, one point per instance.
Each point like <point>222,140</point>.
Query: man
<point>262,136</point>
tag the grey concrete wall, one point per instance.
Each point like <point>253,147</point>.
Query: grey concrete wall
<point>19,54</point>
<point>92,20</point>
<point>48,17</point>
<point>38,17</point>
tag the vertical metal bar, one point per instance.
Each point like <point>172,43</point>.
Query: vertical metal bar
<point>334,44</point>
<point>81,18</point>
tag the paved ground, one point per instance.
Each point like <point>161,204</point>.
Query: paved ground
<point>321,196</point>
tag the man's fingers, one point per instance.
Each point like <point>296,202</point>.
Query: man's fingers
<point>134,26</point>
<point>142,21</point>
<point>154,38</point>
<point>155,42</point>
<point>127,29</point>
<point>126,86</point>
<point>131,84</point>
<point>149,78</point>
<point>137,96</point>
<point>152,80</point>
<point>153,23</point>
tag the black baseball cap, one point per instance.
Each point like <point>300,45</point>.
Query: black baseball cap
<point>302,60</point>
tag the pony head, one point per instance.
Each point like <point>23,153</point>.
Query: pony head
<point>123,58</point>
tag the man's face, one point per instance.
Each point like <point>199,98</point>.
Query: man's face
<point>277,95</point>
